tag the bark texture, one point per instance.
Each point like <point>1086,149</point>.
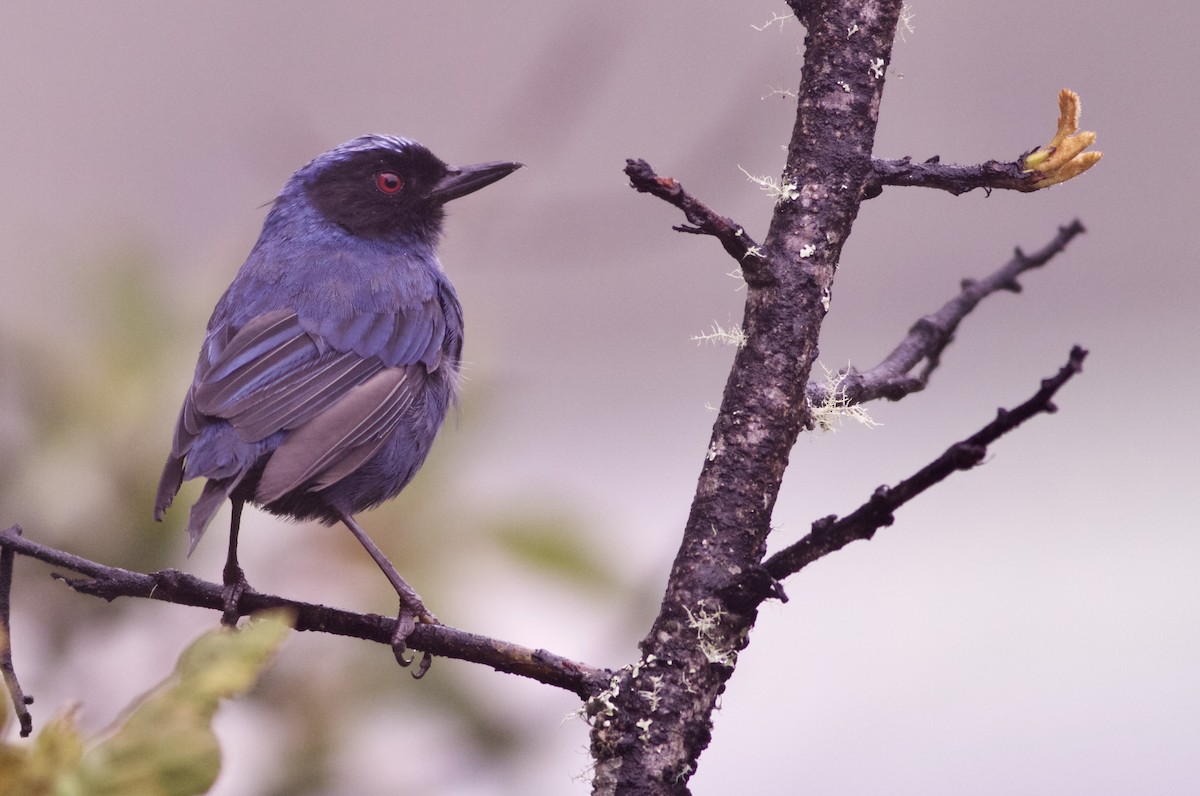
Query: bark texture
<point>655,720</point>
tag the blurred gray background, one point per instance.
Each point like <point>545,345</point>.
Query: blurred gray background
<point>1029,627</point>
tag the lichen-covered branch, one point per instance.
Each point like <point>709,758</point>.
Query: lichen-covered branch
<point>892,378</point>
<point>650,729</point>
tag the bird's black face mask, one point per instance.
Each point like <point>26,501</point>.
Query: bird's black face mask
<point>381,196</point>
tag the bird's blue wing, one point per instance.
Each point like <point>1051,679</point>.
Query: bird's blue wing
<point>273,376</point>
<point>339,440</point>
<point>338,387</point>
<point>402,337</point>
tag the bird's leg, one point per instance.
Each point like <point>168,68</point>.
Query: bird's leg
<point>232,576</point>
<point>412,610</point>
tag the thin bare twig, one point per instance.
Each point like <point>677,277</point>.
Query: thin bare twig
<point>20,701</point>
<point>830,533</point>
<point>733,237</point>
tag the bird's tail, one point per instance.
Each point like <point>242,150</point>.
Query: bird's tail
<point>208,504</point>
<point>168,485</point>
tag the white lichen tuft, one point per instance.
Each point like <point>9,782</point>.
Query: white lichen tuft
<point>740,275</point>
<point>782,93</point>
<point>776,19</point>
<point>734,336</point>
<point>653,694</point>
<point>602,707</point>
<point>705,623</point>
<point>717,654</point>
<point>779,192</point>
<point>836,407</point>
<point>905,24</point>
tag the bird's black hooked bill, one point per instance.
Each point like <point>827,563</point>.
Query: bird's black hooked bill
<point>469,179</point>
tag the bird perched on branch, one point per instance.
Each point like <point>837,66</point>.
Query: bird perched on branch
<point>330,362</point>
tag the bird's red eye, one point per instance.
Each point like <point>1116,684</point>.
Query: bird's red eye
<point>388,182</point>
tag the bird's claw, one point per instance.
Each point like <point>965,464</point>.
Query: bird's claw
<point>406,623</point>
<point>423,666</point>
<point>235,586</point>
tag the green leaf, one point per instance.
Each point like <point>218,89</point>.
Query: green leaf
<point>34,770</point>
<point>164,745</point>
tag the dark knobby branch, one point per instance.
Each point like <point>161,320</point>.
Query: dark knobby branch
<point>651,726</point>
<point>173,586</point>
<point>1058,161</point>
<point>930,335</point>
<point>831,533</point>
<point>703,220</point>
<point>948,176</point>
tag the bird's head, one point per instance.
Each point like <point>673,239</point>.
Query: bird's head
<point>380,186</point>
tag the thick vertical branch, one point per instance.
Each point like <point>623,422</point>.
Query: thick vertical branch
<point>652,726</point>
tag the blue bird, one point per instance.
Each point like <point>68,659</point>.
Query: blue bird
<point>330,362</point>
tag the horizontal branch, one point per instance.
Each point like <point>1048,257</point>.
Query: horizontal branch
<point>949,177</point>
<point>831,533</point>
<point>1064,158</point>
<point>930,335</point>
<point>173,586</point>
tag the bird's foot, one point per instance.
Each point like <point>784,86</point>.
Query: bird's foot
<point>235,586</point>
<point>406,623</point>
